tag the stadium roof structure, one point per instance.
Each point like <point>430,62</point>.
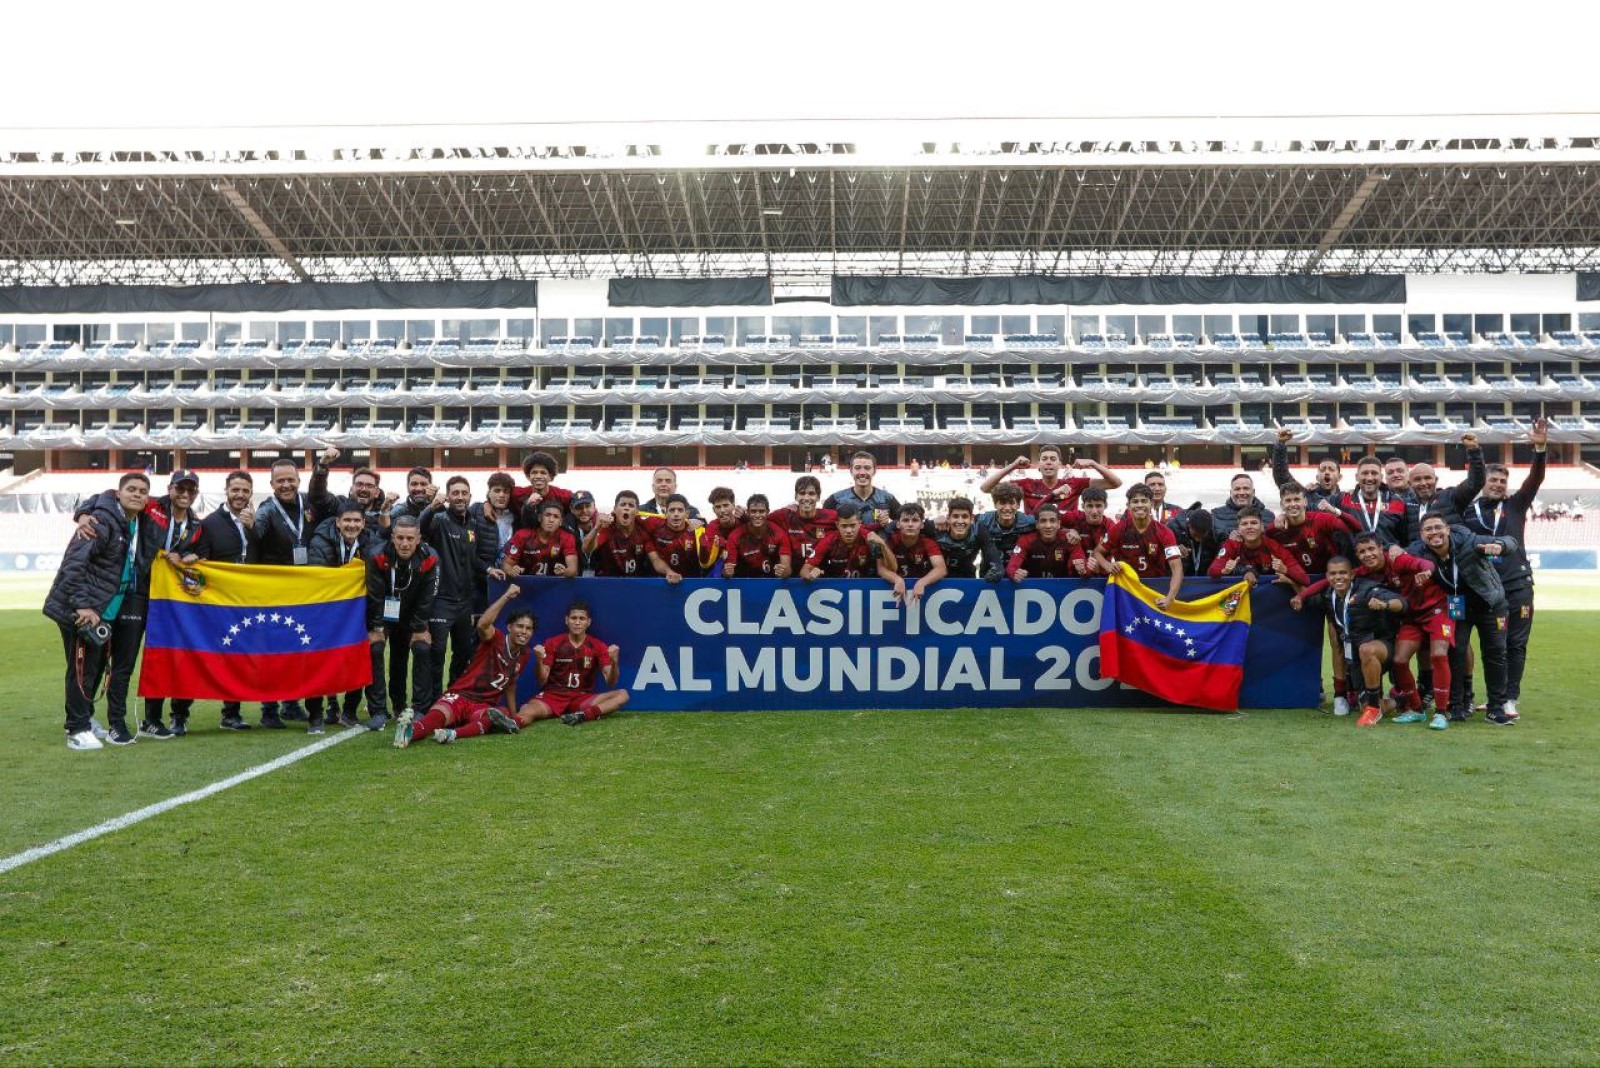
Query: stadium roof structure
<point>802,200</point>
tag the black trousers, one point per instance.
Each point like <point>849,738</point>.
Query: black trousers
<point>127,637</point>
<point>1519,628</point>
<point>317,707</point>
<point>155,706</point>
<point>411,652</point>
<point>85,662</point>
<point>462,637</point>
<point>1491,628</point>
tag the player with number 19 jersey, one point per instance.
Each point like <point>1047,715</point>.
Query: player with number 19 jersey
<point>622,553</point>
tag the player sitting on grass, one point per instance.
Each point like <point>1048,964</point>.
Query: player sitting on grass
<point>1365,616</point>
<point>567,665</point>
<point>477,701</point>
<point>914,556</point>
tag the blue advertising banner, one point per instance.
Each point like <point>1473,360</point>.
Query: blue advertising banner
<point>750,644</point>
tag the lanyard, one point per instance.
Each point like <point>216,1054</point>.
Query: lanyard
<point>244,538</point>
<point>182,530</point>
<point>1371,515</point>
<point>1455,574</point>
<point>133,549</point>
<point>299,524</point>
<point>347,550</point>
<point>1499,514</point>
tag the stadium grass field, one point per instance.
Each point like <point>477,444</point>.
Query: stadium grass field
<point>1019,886</point>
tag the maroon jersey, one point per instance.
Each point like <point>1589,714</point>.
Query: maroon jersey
<point>1400,575</point>
<point>677,549</point>
<point>724,531</point>
<point>1040,558</point>
<point>573,669</point>
<point>804,532</point>
<point>491,674</point>
<point>838,560</point>
<point>755,553</point>
<point>529,550</point>
<point>916,560</point>
<point>525,503</point>
<point>1146,551</point>
<point>1092,534</point>
<point>1315,541</point>
<point>1063,492</point>
<point>1260,558</point>
<point>621,553</point>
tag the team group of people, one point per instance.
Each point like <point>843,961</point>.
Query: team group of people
<point>1408,569</point>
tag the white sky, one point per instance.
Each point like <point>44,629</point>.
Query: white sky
<point>294,62</point>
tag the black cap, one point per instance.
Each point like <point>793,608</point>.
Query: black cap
<point>582,497</point>
<point>183,474</point>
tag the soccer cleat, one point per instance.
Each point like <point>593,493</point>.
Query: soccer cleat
<point>502,721</point>
<point>234,723</point>
<point>444,735</point>
<point>1341,707</point>
<point>1439,722</point>
<point>380,721</point>
<point>314,725</point>
<point>84,740</point>
<point>155,730</point>
<point>572,719</point>
<point>1369,716</point>
<point>402,730</point>
<point>119,735</point>
<point>1510,709</point>
<point>1499,719</point>
<point>272,721</point>
<point>180,727</point>
<point>1409,717</point>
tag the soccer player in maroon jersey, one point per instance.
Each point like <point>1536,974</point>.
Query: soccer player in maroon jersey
<point>803,521</point>
<point>1257,556</point>
<point>845,551</point>
<point>568,664</point>
<point>540,469</point>
<point>620,547</point>
<point>547,549</point>
<point>1086,529</point>
<point>478,700</point>
<point>725,509</point>
<point>1144,544</point>
<point>1374,507</point>
<point>914,556</point>
<point>756,548</point>
<point>1045,551</point>
<point>681,550</point>
<point>1427,620</point>
<point>1050,486</point>
<point>1312,537</point>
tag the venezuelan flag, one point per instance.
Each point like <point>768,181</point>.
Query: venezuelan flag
<point>230,632</point>
<point>1189,653</point>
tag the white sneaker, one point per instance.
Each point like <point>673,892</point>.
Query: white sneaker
<point>1341,707</point>
<point>1510,709</point>
<point>83,740</point>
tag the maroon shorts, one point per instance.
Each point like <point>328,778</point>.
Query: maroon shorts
<point>1436,626</point>
<point>563,701</point>
<point>459,709</point>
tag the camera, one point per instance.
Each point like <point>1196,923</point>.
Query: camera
<point>96,635</point>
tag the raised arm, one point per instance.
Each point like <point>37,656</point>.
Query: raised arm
<point>492,613</point>
<point>1530,485</point>
<point>997,477</point>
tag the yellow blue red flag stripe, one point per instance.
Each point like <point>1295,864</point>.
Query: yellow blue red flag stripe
<point>1190,652</point>
<point>235,633</point>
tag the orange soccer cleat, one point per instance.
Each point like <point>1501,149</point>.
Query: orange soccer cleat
<point>1370,715</point>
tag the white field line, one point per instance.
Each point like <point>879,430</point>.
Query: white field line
<point>28,856</point>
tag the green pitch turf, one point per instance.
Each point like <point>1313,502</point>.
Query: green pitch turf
<point>1027,886</point>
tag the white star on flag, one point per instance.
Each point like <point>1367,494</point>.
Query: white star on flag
<point>1189,642</point>
<point>1189,653</point>
<point>276,617</point>
<point>246,621</point>
<point>261,617</point>
<point>234,629</point>
<point>288,621</point>
<point>299,629</point>
<point>1169,626</point>
<point>1130,628</point>
<point>307,641</point>
<point>227,641</point>
<point>1182,633</point>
